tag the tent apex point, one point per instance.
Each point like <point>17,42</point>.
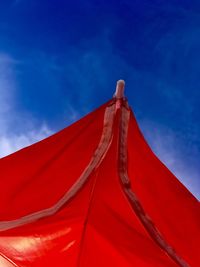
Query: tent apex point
<point>119,93</point>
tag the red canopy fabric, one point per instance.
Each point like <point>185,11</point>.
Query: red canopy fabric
<point>92,195</point>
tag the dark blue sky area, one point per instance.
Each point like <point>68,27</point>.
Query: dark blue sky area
<point>61,59</point>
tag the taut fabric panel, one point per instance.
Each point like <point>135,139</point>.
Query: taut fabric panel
<point>94,195</point>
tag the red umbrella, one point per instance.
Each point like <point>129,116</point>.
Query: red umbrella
<point>94,194</point>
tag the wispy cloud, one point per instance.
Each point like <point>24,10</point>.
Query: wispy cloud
<point>175,154</point>
<point>7,89</point>
<point>11,141</point>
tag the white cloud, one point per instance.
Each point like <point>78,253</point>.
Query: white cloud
<point>9,117</point>
<point>167,145</point>
<point>10,144</point>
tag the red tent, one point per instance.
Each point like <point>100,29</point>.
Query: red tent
<point>95,195</point>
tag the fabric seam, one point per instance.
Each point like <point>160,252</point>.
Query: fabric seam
<point>132,197</point>
<point>96,159</point>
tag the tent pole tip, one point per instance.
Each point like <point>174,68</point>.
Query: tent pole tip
<point>119,93</point>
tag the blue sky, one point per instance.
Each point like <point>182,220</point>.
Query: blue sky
<point>61,59</point>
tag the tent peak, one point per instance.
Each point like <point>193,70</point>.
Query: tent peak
<point>119,93</point>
